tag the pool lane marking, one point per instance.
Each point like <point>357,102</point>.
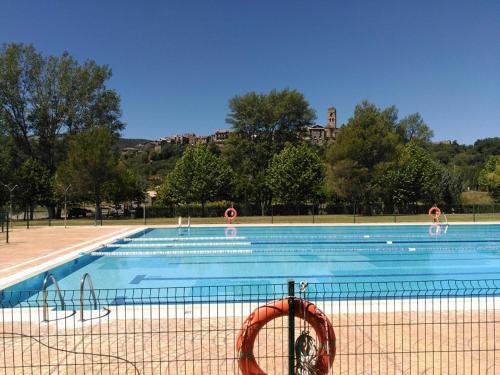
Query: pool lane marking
<point>184,244</point>
<point>139,278</point>
<point>410,242</point>
<point>316,261</point>
<point>153,239</point>
<point>168,252</point>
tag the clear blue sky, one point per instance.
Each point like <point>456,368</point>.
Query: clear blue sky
<point>176,63</point>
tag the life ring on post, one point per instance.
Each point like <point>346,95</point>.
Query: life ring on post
<point>233,216</point>
<point>434,213</point>
<point>275,309</point>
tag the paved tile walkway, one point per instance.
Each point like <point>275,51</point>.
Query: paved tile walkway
<point>31,247</point>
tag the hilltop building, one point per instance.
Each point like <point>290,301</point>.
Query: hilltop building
<point>319,134</point>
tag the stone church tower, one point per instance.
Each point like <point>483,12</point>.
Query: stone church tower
<point>331,127</point>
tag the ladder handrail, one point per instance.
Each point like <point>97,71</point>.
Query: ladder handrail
<point>45,305</point>
<point>92,291</point>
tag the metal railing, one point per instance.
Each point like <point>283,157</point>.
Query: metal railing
<point>86,276</point>
<point>447,326</point>
<point>45,285</point>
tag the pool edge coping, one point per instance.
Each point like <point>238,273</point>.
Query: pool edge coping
<point>25,274</point>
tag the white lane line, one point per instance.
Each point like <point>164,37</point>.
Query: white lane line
<point>63,250</point>
<point>152,239</point>
<point>184,244</point>
<point>168,252</point>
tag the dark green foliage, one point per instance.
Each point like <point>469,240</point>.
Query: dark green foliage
<point>416,178</point>
<point>365,147</point>
<point>198,176</point>
<point>296,175</point>
<point>489,177</point>
<point>35,185</point>
<point>43,98</point>
<point>262,124</point>
<point>93,170</point>
<point>413,128</point>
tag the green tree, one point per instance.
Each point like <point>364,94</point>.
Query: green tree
<point>489,177</point>
<point>91,166</point>
<point>6,169</point>
<point>125,186</point>
<point>365,148</point>
<point>262,124</point>
<point>296,174</point>
<point>198,176</point>
<point>35,185</point>
<point>413,128</point>
<point>44,97</point>
<point>416,178</point>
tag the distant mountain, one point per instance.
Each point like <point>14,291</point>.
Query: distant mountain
<point>130,142</point>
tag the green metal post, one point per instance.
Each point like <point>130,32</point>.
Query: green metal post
<point>291,327</point>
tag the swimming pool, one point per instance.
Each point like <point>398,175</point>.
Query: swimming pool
<point>267,255</point>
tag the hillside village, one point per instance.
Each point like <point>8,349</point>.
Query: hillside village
<point>316,134</point>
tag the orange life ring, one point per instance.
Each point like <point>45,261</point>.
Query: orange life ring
<point>275,309</point>
<point>233,216</point>
<point>434,212</point>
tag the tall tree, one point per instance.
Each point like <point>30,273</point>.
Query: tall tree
<point>42,98</point>
<point>416,178</point>
<point>198,176</point>
<point>35,185</point>
<point>364,149</point>
<point>489,177</point>
<point>262,124</point>
<point>413,128</point>
<point>91,166</point>
<point>296,174</point>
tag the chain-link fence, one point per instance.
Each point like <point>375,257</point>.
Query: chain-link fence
<point>214,213</point>
<point>442,327</point>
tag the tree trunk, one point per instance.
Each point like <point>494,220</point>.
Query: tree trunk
<point>97,211</point>
<point>202,208</point>
<point>58,214</point>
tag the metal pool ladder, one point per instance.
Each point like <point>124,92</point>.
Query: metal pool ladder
<point>45,305</point>
<point>92,291</point>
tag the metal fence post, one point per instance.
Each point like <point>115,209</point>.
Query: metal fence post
<point>474,213</point>
<point>7,232</point>
<point>291,327</point>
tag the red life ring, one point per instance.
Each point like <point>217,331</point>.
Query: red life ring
<point>233,216</point>
<point>275,309</point>
<point>434,213</point>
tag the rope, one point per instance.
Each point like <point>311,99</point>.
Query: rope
<point>71,351</point>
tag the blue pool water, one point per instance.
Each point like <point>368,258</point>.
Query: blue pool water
<point>218,256</point>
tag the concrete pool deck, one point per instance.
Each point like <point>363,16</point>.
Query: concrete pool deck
<point>34,250</point>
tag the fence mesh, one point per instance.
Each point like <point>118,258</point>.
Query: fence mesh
<point>275,214</point>
<point>445,327</point>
